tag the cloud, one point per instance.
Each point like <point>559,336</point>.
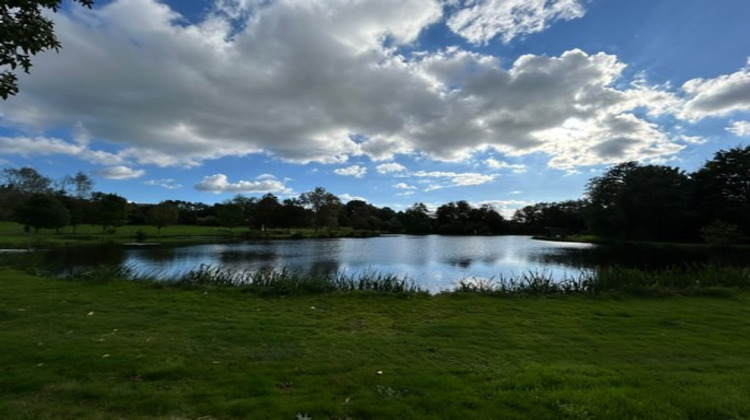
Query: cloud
<point>348,197</point>
<point>219,183</point>
<point>404,186</point>
<point>322,75</point>
<point>498,164</point>
<point>356,171</point>
<point>454,179</point>
<point>740,128</point>
<point>387,168</point>
<point>717,97</point>
<point>509,19</point>
<point>120,172</point>
<point>46,146</point>
<point>166,183</point>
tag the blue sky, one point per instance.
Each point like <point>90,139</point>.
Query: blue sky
<point>507,102</point>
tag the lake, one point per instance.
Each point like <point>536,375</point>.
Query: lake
<point>433,262</point>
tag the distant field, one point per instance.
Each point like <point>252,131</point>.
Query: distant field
<point>77,350</point>
<point>12,234</point>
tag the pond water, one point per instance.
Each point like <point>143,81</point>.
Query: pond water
<point>433,262</point>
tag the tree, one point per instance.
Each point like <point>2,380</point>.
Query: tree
<point>325,207</point>
<point>163,215</point>
<point>42,211</point>
<point>641,202</point>
<point>267,212</point>
<point>229,215</point>
<point>722,188</point>
<point>26,181</point>
<point>416,219</point>
<point>108,209</point>
<point>24,32</point>
<point>78,185</point>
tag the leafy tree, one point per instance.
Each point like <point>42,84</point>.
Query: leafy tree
<point>324,205</point>
<point>294,214</point>
<point>24,32</point>
<point>42,211</point>
<point>26,181</point>
<point>268,212</point>
<point>641,202</point>
<point>722,188</point>
<point>78,185</point>
<point>417,219</point>
<point>108,209</point>
<point>536,218</point>
<point>77,208</point>
<point>248,206</point>
<point>229,215</point>
<point>163,215</point>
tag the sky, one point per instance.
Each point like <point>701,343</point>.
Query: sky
<point>506,102</point>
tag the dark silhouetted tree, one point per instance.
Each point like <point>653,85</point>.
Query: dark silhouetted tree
<point>722,188</point>
<point>42,211</point>
<point>163,215</point>
<point>324,205</point>
<point>108,209</point>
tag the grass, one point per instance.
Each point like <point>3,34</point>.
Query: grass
<point>12,235</point>
<point>129,350</point>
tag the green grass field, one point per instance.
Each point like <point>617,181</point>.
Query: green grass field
<point>73,350</point>
<point>12,235</point>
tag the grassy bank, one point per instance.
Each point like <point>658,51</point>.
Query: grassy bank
<point>73,349</point>
<point>12,235</point>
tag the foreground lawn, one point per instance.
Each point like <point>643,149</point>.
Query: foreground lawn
<point>126,350</point>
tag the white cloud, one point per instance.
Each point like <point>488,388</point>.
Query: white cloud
<point>483,20</point>
<point>120,172</point>
<point>387,168</point>
<point>493,163</point>
<point>348,197</point>
<point>166,183</point>
<point>717,97</point>
<point>356,171</point>
<point>454,179</point>
<point>404,186</point>
<point>219,183</point>
<point>319,75</point>
<point>46,146</point>
<point>740,128</point>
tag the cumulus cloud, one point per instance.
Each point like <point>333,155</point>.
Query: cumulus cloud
<point>454,179</point>
<point>356,171</point>
<point>219,183</point>
<point>493,163</point>
<point>404,186</point>
<point>301,80</point>
<point>740,128</point>
<point>717,97</point>
<point>120,172</point>
<point>387,168</point>
<point>509,19</point>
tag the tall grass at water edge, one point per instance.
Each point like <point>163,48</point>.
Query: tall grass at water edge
<point>709,279</point>
<point>288,281</point>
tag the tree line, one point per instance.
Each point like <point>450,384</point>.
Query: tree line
<point>632,201</point>
<point>629,201</point>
